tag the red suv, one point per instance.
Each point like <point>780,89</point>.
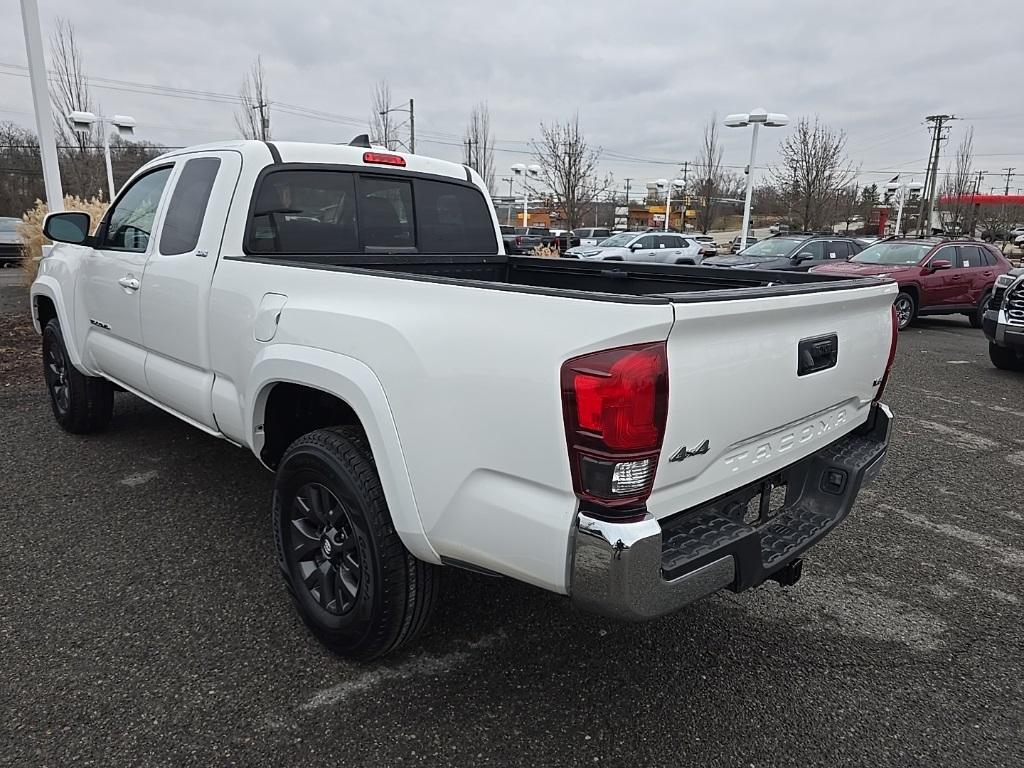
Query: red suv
<point>936,276</point>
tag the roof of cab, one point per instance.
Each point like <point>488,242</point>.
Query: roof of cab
<point>258,152</point>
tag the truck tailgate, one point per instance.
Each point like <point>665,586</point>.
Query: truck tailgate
<point>740,406</point>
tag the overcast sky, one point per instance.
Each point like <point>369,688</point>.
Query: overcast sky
<point>644,77</point>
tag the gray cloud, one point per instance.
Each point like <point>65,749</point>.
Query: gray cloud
<point>644,77</point>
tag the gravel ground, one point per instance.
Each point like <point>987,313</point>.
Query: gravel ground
<point>143,622</point>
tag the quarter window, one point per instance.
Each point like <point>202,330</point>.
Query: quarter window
<point>185,212</point>
<point>131,219</point>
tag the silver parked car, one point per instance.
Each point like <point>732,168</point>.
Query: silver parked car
<point>10,241</point>
<point>657,247</point>
<point>591,235</point>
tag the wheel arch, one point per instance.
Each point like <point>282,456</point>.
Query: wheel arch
<point>47,302</point>
<point>321,387</point>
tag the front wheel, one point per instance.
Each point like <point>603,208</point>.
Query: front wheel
<point>1005,358</point>
<point>80,403</point>
<point>353,582</point>
<point>906,309</point>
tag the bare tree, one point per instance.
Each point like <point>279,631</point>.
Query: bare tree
<point>253,116</point>
<point>958,186</point>
<point>383,127</point>
<point>813,169</point>
<point>480,144</point>
<point>707,170</point>
<point>569,169</point>
<point>69,87</point>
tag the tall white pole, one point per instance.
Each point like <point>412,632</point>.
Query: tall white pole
<point>105,127</point>
<point>899,211</point>
<point>41,105</point>
<point>668,204</point>
<point>750,187</point>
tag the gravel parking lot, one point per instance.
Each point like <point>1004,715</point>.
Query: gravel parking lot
<point>143,621</point>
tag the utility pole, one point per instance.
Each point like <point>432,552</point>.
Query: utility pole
<point>1009,173</point>
<point>412,128</point>
<point>1006,192</point>
<point>264,118</point>
<point>41,106</point>
<point>927,204</point>
<point>974,205</point>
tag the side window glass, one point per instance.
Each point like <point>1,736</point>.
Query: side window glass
<point>453,218</point>
<point>304,212</point>
<point>970,256</point>
<point>839,250</point>
<point>649,242</point>
<point>184,219</point>
<point>131,219</point>
<point>816,248</point>
<point>385,213</point>
<point>946,254</point>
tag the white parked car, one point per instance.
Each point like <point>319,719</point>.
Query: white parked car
<point>654,247</point>
<point>590,236</point>
<point>349,316</point>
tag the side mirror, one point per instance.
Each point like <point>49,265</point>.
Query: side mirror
<point>636,246</point>
<point>938,264</point>
<point>68,227</point>
<point>805,256</point>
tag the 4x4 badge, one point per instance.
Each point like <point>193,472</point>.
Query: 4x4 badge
<point>683,454</point>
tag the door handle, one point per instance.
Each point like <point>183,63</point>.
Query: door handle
<point>129,283</point>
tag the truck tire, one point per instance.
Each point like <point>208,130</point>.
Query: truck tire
<point>355,585</point>
<point>81,404</point>
<point>1005,358</point>
<point>978,314</point>
<point>906,309</point>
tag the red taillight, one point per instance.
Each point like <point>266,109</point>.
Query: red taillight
<point>382,158</point>
<point>892,356</point>
<point>615,403</point>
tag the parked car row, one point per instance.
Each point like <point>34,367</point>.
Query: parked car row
<point>655,247</point>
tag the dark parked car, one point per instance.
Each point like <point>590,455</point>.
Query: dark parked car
<point>737,241</point>
<point>508,237</point>
<point>937,275</point>
<point>10,241</point>
<point>794,253</point>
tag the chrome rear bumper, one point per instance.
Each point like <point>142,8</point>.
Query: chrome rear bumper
<point>643,569</point>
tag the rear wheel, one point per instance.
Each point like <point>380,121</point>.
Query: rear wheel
<point>978,314</point>
<point>906,309</point>
<point>353,582</point>
<point>1005,358</point>
<point>80,403</point>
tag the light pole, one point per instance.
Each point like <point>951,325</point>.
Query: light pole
<point>82,122</point>
<point>903,189</point>
<point>663,184</point>
<point>757,118</point>
<point>524,172</point>
<point>508,216</point>
<point>41,106</point>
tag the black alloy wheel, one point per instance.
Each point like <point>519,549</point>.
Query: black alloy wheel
<point>322,541</point>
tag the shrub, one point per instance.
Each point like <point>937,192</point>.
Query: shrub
<point>544,252</point>
<point>31,230</point>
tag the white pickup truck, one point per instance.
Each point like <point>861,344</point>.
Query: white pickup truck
<point>634,436</point>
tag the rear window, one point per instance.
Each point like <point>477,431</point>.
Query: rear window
<point>341,212</point>
<point>184,219</point>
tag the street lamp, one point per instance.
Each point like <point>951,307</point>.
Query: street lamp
<point>82,122</point>
<point>903,189</point>
<point>757,118</point>
<point>663,184</point>
<point>525,172</point>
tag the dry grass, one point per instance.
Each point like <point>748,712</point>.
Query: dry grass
<point>31,230</point>
<point>545,252</point>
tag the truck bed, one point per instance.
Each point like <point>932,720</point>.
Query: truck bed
<point>608,280</point>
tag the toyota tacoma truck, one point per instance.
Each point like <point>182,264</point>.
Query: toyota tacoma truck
<point>348,314</point>
<point>1003,322</point>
